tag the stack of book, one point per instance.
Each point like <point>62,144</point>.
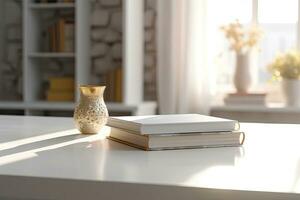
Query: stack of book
<point>61,36</point>
<point>245,99</point>
<point>61,89</point>
<point>159,132</point>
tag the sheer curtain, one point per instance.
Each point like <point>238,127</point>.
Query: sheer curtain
<point>183,75</point>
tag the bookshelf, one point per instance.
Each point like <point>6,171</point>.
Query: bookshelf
<point>35,57</point>
<point>51,55</point>
<point>51,5</point>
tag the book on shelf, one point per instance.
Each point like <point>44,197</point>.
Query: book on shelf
<point>60,95</point>
<point>247,99</point>
<point>113,81</point>
<point>118,84</point>
<point>61,36</point>
<point>60,89</point>
<point>177,123</point>
<point>151,142</point>
<point>61,83</point>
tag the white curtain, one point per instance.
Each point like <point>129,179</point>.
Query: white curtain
<point>183,76</point>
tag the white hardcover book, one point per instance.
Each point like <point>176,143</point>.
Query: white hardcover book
<point>179,123</point>
<point>229,101</point>
<point>177,141</point>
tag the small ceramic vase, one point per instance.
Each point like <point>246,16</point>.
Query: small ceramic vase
<point>90,114</point>
<point>290,89</point>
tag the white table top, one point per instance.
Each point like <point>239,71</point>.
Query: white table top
<point>55,161</point>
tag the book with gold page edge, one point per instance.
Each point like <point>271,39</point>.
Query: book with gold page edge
<point>177,141</point>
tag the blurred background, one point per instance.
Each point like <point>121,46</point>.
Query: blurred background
<point>155,56</point>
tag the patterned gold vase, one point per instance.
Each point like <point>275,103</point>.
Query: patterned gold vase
<point>90,113</point>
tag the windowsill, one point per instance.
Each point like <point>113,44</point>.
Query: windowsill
<point>269,107</point>
<point>270,113</point>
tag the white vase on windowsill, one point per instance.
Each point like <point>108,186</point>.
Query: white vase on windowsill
<point>291,92</point>
<point>242,76</point>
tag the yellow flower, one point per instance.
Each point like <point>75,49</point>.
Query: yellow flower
<point>240,38</point>
<point>286,65</point>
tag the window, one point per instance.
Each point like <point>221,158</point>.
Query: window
<point>278,20</point>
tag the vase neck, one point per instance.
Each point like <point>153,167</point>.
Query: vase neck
<point>91,97</point>
<point>92,92</point>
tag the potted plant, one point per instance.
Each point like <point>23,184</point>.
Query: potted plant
<point>286,68</point>
<point>242,41</point>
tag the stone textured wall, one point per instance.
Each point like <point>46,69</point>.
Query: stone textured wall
<point>150,50</point>
<point>106,37</point>
<point>11,49</point>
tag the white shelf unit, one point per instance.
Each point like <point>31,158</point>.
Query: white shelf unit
<point>32,56</point>
<point>140,109</point>
<point>51,5</point>
<point>269,113</point>
<point>51,55</point>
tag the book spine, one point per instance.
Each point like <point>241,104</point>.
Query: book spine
<point>54,37</point>
<point>61,34</point>
<point>60,96</point>
<point>69,37</point>
<point>50,39</point>
<point>61,84</point>
<point>112,85</point>
<point>118,84</point>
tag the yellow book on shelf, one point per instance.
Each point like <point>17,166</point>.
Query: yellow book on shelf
<point>118,84</point>
<point>61,35</point>
<point>52,45</point>
<point>108,88</point>
<point>111,84</point>
<point>61,84</point>
<point>54,38</point>
<point>60,96</point>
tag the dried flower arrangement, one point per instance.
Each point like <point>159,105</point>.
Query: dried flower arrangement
<point>286,65</point>
<point>242,39</point>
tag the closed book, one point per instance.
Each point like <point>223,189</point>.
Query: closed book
<point>118,84</point>
<point>69,30</point>
<point>237,101</point>
<point>60,96</point>
<point>49,37</point>
<point>69,39</point>
<point>69,45</point>
<point>61,84</point>
<point>251,98</point>
<point>52,38</point>
<point>108,88</point>
<point>252,94</point>
<point>111,84</point>
<point>61,35</point>
<point>177,123</point>
<point>177,141</point>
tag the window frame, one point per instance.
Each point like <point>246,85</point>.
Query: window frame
<point>254,19</point>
